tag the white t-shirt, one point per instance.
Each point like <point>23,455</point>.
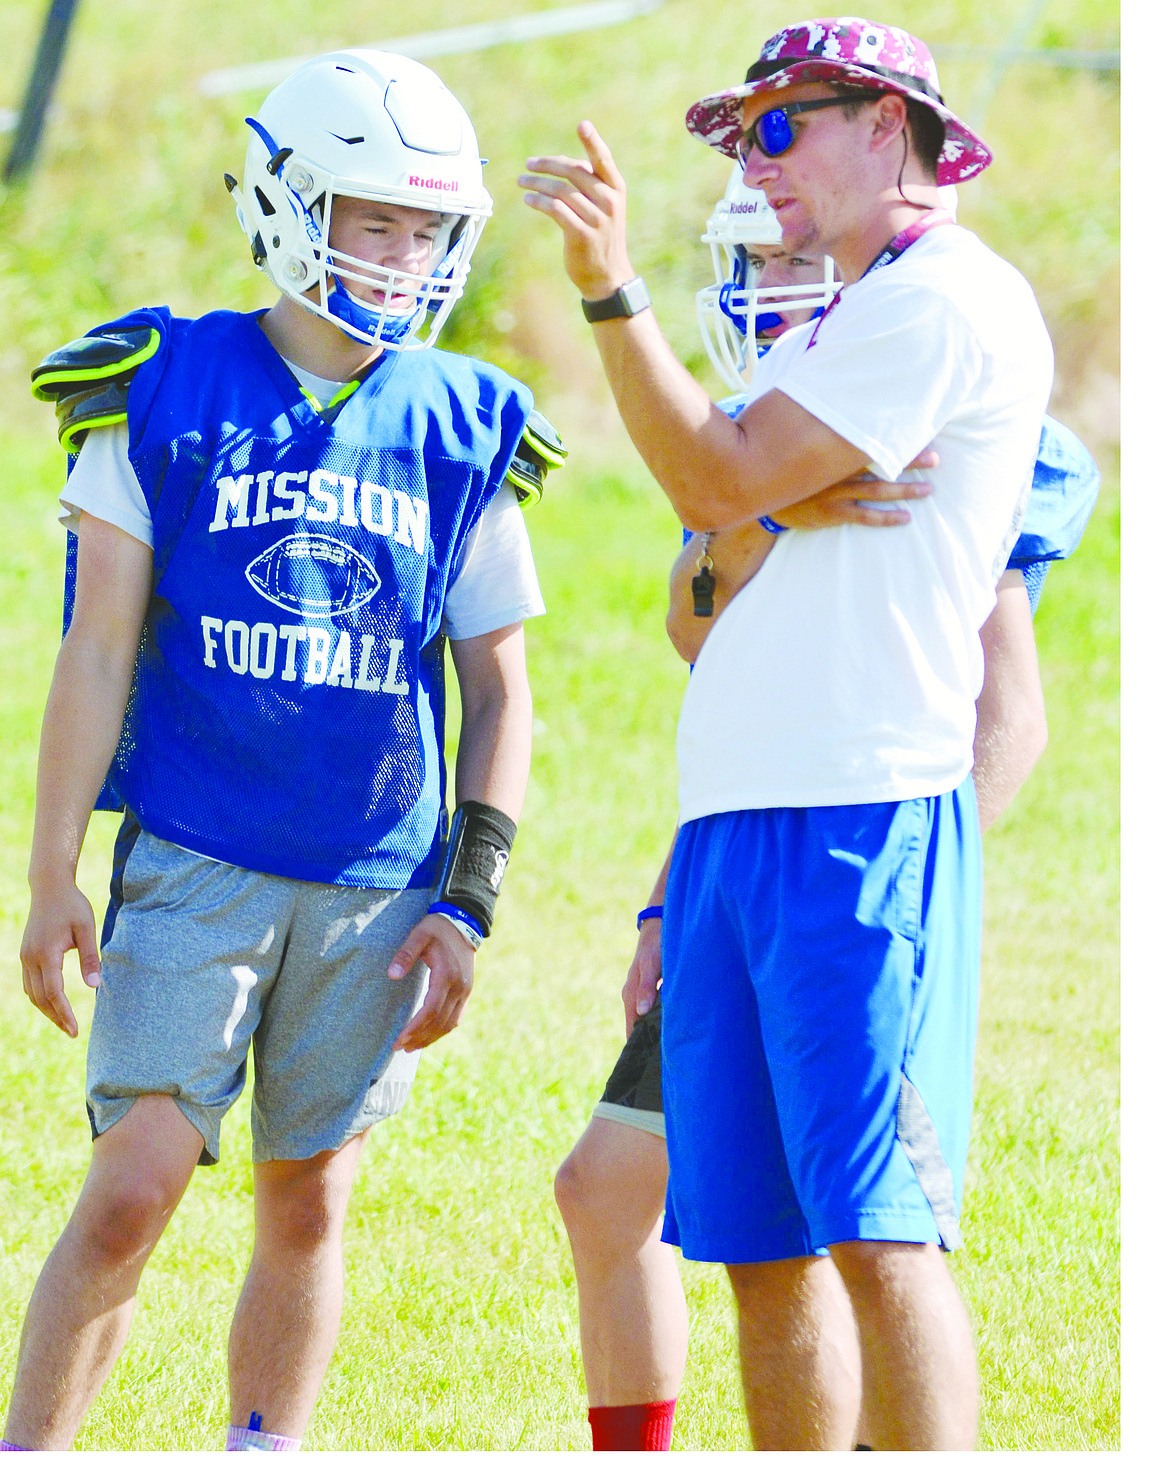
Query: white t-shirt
<point>847,670</point>
<point>495,582</point>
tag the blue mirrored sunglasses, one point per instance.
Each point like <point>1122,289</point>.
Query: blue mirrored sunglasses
<point>771,132</point>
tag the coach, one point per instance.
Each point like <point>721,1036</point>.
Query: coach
<point>822,927</point>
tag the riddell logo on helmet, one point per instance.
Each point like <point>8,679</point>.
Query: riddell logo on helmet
<point>418,182</point>
<point>744,209</point>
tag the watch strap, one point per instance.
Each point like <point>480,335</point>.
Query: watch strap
<point>626,301</point>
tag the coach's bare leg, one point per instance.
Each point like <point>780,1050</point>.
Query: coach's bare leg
<point>611,1190</point>
<point>798,1353</point>
<point>917,1351</point>
<point>289,1312</point>
<point>83,1301</point>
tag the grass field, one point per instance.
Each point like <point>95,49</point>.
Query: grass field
<point>460,1325</point>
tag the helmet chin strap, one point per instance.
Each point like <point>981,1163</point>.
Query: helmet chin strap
<point>765,321</point>
<point>349,312</point>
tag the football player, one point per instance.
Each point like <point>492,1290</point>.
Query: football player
<point>281,518</point>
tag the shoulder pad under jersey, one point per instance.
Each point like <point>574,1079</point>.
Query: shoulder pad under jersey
<point>539,451</point>
<point>90,379</point>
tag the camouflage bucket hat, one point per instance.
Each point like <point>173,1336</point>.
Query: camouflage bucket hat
<point>846,49</point>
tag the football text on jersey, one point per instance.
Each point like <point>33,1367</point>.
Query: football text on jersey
<point>308,653</point>
<point>315,575</point>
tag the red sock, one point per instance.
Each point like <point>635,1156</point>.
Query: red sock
<point>632,1428</point>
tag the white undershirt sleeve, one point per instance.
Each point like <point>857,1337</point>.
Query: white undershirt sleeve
<point>103,484</point>
<point>495,583</point>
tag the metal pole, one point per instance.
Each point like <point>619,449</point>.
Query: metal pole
<point>1026,23</point>
<point>40,87</point>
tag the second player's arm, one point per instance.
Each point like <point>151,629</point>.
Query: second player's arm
<point>645,973</point>
<point>1011,730</point>
<point>82,722</point>
<point>495,750</point>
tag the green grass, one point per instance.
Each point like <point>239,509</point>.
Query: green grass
<point>460,1324</point>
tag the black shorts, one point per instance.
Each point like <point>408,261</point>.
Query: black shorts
<point>633,1094</point>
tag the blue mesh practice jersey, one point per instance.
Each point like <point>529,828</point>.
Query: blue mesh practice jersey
<point>1065,483</point>
<point>286,713</point>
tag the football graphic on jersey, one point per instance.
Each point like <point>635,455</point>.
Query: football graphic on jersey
<point>311,574</point>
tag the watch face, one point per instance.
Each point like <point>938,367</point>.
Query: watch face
<point>634,296</point>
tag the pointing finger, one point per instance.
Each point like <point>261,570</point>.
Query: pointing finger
<point>600,158</point>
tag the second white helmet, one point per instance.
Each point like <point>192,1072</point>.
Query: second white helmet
<point>733,312</point>
<point>371,125</point>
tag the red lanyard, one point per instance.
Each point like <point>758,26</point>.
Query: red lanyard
<point>901,242</point>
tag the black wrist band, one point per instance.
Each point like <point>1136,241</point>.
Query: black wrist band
<point>626,301</point>
<point>477,855</point>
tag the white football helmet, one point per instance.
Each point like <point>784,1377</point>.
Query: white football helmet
<point>370,125</point>
<point>732,311</point>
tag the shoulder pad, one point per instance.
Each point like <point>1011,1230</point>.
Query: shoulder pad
<point>539,451</point>
<point>90,379</point>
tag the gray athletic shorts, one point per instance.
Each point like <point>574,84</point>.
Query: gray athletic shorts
<point>206,959</point>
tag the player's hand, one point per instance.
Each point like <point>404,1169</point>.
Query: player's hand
<point>451,958</point>
<point>857,500</point>
<point>587,199</point>
<point>644,974</point>
<point>60,919</point>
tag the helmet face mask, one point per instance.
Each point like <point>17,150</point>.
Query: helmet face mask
<point>735,315</point>
<point>364,125</point>
<point>407,298</point>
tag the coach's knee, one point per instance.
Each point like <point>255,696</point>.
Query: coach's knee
<point>880,1273</point>
<point>771,1293</point>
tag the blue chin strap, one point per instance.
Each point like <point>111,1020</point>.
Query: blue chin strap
<point>349,310</point>
<point>393,329</point>
<point>765,321</point>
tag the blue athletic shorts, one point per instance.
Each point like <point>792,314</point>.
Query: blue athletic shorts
<point>819,998</point>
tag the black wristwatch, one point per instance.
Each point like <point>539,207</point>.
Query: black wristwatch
<point>625,302</point>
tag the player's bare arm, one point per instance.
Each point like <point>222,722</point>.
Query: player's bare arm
<point>1011,731</point>
<point>717,472</point>
<point>83,717</point>
<point>495,748</point>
